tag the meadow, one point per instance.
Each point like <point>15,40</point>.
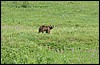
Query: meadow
<point>73,40</point>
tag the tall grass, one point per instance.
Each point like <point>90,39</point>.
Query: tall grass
<point>74,39</point>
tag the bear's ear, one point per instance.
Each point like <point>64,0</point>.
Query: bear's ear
<point>52,25</point>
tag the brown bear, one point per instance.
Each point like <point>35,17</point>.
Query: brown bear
<point>45,28</point>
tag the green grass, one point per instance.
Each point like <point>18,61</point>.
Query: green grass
<point>74,39</point>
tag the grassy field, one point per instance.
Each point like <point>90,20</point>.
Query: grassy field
<point>73,40</point>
